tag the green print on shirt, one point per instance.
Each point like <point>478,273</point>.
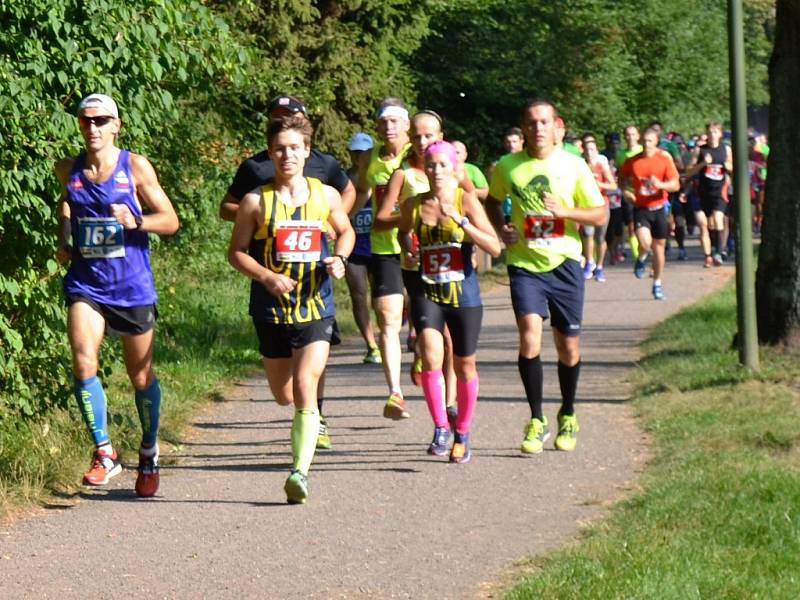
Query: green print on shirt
<point>532,195</point>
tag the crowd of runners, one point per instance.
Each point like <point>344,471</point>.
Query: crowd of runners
<point>407,226</point>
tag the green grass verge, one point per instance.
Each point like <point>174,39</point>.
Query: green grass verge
<point>718,513</point>
<point>204,342</point>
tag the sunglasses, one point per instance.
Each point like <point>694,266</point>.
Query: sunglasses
<point>98,122</point>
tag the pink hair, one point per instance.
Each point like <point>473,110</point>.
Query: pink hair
<point>442,147</point>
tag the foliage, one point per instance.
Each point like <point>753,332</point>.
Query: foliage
<point>604,63</point>
<point>156,58</point>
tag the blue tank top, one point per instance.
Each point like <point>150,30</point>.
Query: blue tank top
<point>110,264</point>
<point>362,224</point>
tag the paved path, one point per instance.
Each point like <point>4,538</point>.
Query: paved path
<point>384,520</point>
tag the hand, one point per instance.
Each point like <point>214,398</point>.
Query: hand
<point>552,204</point>
<point>412,259</point>
<point>654,182</point>
<point>707,158</point>
<point>335,266</point>
<point>682,198</point>
<point>123,215</point>
<point>64,254</point>
<point>278,284</point>
<point>509,234</point>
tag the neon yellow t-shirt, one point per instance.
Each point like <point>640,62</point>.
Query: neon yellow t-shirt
<point>378,174</point>
<point>544,241</point>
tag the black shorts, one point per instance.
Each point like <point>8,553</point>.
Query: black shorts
<point>463,322</point>
<point>627,211</point>
<point>277,340</point>
<point>557,294</point>
<point>711,204</point>
<point>412,281</point>
<point>121,320</point>
<point>654,219</point>
<point>359,259</point>
<point>616,224</point>
<point>678,208</point>
<point>384,275</point>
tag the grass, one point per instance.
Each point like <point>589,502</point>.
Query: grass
<point>718,513</point>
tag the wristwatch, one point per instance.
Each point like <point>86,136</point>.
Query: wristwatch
<point>343,258</point>
<point>464,221</point>
<point>138,219</point>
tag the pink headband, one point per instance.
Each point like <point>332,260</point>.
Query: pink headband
<point>442,147</point>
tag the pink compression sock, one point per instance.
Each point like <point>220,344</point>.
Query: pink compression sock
<point>433,388</point>
<point>467,398</point>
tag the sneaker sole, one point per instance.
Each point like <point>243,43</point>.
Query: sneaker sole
<point>295,492</point>
<point>437,451</point>
<point>463,460</point>
<point>564,449</point>
<point>112,473</point>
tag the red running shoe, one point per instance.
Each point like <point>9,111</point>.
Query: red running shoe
<point>104,466</point>
<point>148,478</point>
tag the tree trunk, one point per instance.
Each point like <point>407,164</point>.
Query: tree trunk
<point>778,278</point>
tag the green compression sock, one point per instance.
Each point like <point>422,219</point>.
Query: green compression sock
<point>305,429</point>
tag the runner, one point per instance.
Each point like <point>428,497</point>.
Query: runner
<point>595,237</point>
<point>259,170</point>
<point>632,148</point>
<point>474,173</point>
<point>280,241</point>
<point>447,222</point>
<point>513,140</point>
<point>651,174</point>
<point>552,192</point>
<point>711,163</point>
<point>109,286</point>
<point>357,281</point>
<point>385,274</point>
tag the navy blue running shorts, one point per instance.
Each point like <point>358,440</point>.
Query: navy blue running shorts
<point>121,320</point>
<point>557,294</point>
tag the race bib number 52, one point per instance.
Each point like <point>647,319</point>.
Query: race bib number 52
<point>541,229</point>
<point>101,237</point>
<point>298,241</point>
<point>443,263</point>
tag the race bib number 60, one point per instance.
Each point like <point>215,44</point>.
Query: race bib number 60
<point>443,263</point>
<point>298,241</point>
<point>541,229</point>
<point>101,237</point>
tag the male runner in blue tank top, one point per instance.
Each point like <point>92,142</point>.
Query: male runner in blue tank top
<point>109,286</point>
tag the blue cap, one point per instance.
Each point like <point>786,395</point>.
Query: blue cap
<point>360,142</point>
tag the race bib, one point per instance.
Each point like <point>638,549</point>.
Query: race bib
<point>298,241</point>
<point>101,237</point>
<point>362,222</point>
<point>645,189</point>
<point>715,172</point>
<point>614,198</point>
<point>442,263</point>
<point>542,229</point>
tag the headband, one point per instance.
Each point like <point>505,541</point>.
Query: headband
<point>393,111</point>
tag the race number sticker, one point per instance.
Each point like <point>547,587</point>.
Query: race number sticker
<point>614,198</point>
<point>542,229</point>
<point>645,189</point>
<point>715,172</point>
<point>442,263</point>
<point>101,237</point>
<point>298,241</point>
<point>362,222</point>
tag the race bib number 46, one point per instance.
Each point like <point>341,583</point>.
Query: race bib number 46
<point>101,237</point>
<point>298,241</point>
<point>541,229</point>
<point>443,263</point>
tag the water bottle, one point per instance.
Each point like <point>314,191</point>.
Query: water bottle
<point>507,209</point>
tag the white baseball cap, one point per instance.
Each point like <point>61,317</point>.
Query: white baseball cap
<point>100,101</point>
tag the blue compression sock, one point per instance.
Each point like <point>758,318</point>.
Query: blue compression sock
<point>92,404</point>
<point>148,405</point>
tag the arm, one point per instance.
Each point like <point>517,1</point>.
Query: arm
<point>479,228</point>
<point>247,218</point>
<point>608,183</point>
<point>348,195</point>
<point>64,243</point>
<point>384,220</point>
<point>694,164</point>
<point>728,159</point>
<point>228,207</point>
<point>345,236</point>
<point>594,216</point>
<point>404,229</point>
<point>162,218</point>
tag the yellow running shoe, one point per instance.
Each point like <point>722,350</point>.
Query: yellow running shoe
<point>395,408</point>
<point>296,488</point>
<point>536,434</point>
<point>568,429</point>
<point>324,437</point>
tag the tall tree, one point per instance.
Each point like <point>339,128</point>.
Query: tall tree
<point>778,278</point>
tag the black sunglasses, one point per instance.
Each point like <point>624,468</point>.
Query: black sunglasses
<point>85,122</point>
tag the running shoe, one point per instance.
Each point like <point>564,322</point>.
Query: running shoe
<point>296,488</point>
<point>718,260</point>
<point>708,262</point>
<point>395,408</point>
<point>416,371</point>
<point>452,414</point>
<point>441,441</point>
<point>658,291</point>
<point>568,429</point>
<point>599,275</point>
<point>682,256</point>
<point>588,269</point>
<point>638,269</point>
<point>104,467</point>
<point>460,453</point>
<point>147,479</point>
<point>324,437</point>
<point>619,257</point>
<point>373,356</point>
<point>536,434</point>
